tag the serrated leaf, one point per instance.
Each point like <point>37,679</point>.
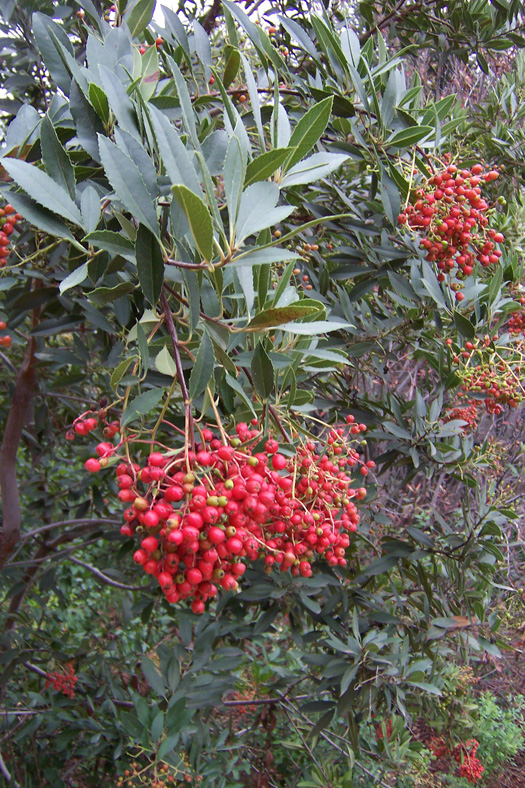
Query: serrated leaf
<point>257,210</point>
<point>127,182</point>
<point>42,218</point>
<point>265,165</point>
<point>114,243</point>
<point>43,189</point>
<point>165,363</point>
<point>411,136</point>
<point>234,384</point>
<point>175,157</point>
<point>316,327</point>
<point>278,316</point>
<point>313,168</point>
<point>199,219</point>
<point>167,746</point>
<point>90,207</point>
<point>142,405</point>
<point>152,674</point>
<point>308,130</point>
<point>464,326</point>
<point>108,295</point>
<point>75,278</point>
<point>262,372</point>
<point>140,16</point>
<point>99,101</point>
<point>43,29</point>
<point>56,160</point>
<point>202,368</point>
<point>120,370</point>
<point>150,264</point>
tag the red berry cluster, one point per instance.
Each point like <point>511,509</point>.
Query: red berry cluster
<point>63,681</point>
<point>201,514</point>
<point>449,208</point>
<point>469,764</point>
<point>484,371</point>
<point>468,413</point>
<point>8,218</point>
<point>379,730</point>
<point>5,341</point>
<point>516,324</point>
<point>464,754</point>
<point>85,423</point>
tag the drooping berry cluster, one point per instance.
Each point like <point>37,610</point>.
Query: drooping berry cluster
<point>6,340</point>
<point>63,681</point>
<point>491,372</point>
<point>201,515</point>
<point>8,218</point>
<point>451,212</point>
<point>379,730</point>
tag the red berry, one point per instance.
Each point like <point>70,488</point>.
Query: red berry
<point>92,465</point>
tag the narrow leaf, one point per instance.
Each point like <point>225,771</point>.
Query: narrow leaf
<point>309,130</point>
<point>140,16</point>
<point>199,219</point>
<point>75,278</point>
<point>203,367</point>
<point>262,372</point>
<point>43,189</point>
<point>265,165</point>
<point>150,264</point>
<point>56,160</point>
<point>142,405</point>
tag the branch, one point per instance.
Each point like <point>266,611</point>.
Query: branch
<point>10,780</point>
<point>18,413</point>
<point>104,578</point>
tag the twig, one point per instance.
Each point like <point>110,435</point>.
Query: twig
<point>7,775</point>
<point>104,578</point>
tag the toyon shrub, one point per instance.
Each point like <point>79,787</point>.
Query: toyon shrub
<point>202,515</point>
<point>63,681</point>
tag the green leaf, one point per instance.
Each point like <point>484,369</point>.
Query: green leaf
<point>127,182</point>
<point>143,346</point>
<point>265,165</point>
<point>45,32</point>
<point>407,137</point>
<point>90,207</point>
<point>157,726</point>
<point>313,168</point>
<point>262,372</point>
<point>167,746</point>
<point>203,367</point>
<point>43,189</point>
<point>175,157</point>
<point>152,674</point>
<point>75,278</point>
<point>56,160</point>
<point>231,68</point>
<point>140,406</point>
<point>234,384</point>
<point>464,326</point>
<point>257,210</point>
<point>140,16</point>
<point>150,264</point>
<point>99,102</point>
<point>165,363</point>
<point>150,73</point>
<point>120,370</point>
<point>278,316</point>
<point>199,219</point>
<point>42,218</point>
<point>309,130</point>
<point>108,295</point>
<point>114,243</point>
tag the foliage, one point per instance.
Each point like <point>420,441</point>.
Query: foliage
<point>207,256</point>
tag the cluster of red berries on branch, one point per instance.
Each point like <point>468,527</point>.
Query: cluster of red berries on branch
<point>7,340</point>
<point>492,373</point>
<point>464,754</point>
<point>451,212</point>
<point>89,421</point>
<point>8,219</point>
<point>468,413</point>
<point>516,324</point>
<point>201,515</point>
<point>63,681</point>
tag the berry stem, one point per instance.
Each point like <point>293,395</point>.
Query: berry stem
<point>189,430</point>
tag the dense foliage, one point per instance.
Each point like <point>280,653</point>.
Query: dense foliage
<point>261,387</point>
